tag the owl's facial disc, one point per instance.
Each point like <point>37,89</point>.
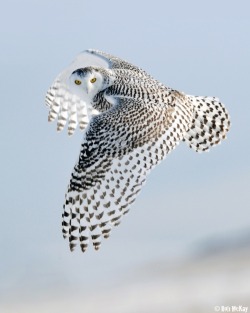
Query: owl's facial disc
<point>86,82</point>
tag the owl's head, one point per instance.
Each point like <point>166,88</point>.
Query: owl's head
<point>88,81</point>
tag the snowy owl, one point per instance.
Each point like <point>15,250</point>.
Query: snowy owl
<point>131,122</point>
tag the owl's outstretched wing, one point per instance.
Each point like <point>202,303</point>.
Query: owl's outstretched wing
<point>114,62</point>
<point>64,105</point>
<point>119,149</point>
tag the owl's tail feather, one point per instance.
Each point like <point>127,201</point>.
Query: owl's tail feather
<point>210,123</point>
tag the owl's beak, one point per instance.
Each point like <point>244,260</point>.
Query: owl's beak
<point>86,89</point>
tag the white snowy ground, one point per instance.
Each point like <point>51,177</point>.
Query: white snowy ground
<point>210,282</point>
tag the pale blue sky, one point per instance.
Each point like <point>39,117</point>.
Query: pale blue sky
<point>198,47</point>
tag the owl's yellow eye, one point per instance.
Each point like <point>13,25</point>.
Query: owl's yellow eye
<point>78,82</point>
<point>93,80</point>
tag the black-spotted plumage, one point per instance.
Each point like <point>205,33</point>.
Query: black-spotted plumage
<point>132,122</point>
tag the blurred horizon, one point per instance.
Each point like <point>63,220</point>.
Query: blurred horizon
<point>218,266</point>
